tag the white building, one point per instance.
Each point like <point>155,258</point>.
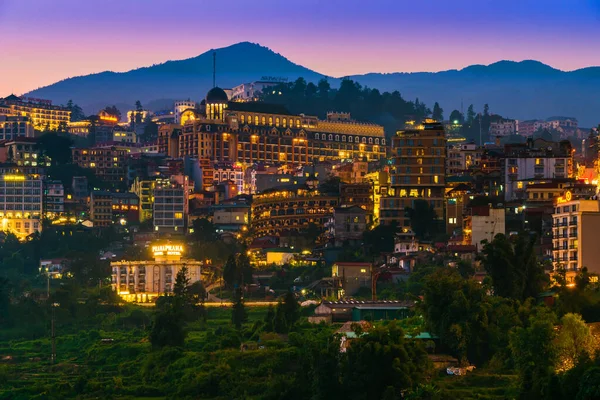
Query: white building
<point>124,136</point>
<point>250,91</point>
<point>536,159</point>
<point>54,198</point>
<point>180,107</point>
<point>504,127</point>
<point>144,281</point>
<point>484,223</point>
<point>20,204</point>
<point>171,204</point>
<point>229,172</point>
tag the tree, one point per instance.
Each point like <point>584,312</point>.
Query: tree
<point>380,239</point>
<point>423,219</point>
<point>238,312</point>
<point>589,387</point>
<point>456,117</point>
<point>181,287</point>
<point>291,310</point>
<point>534,355</point>
<point>76,111</point>
<point>229,271</point>
<point>381,359</point>
<point>323,87</point>
<point>574,339</point>
<point>114,111</point>
<point>270,319</point>
<point>331,185</point>
<point>513,267</point>
<point>470,115</point>
<point>455,309</point>
<point>138,106</point>
<point>55,147</point>
<point>204,230</point>
<point>438,112</point>
<point>168,329</point>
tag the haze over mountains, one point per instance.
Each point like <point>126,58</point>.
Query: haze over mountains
<point>522,90</point>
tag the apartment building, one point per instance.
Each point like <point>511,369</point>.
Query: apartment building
<point>170,210</point>
<point>21,200</point>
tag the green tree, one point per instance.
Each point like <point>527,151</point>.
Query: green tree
<point>204,230</point>
<point>423,219</point>
<point>168,329</point>
<point>470,115</point>
<point>457,116</point>
<point>513,267</point>
<point>55,147</point>
<point>291,310</point>
<point>238,312</point>
<point>589,387</point>
<point>76,111</point>
<point>114,111</point>
<point>270,319</point>
<point>534,355</point>
<point>574,339</point>
<point>380,239</point>
<point>181,291</point>
<point>438,112</point>
<point>229,271</point>
<point>381,359</point>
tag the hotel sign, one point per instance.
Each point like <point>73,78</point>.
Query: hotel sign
<point>167,250</point>
<point>566,198</point>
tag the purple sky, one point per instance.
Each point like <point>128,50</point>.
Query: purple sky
<point>47,40</point>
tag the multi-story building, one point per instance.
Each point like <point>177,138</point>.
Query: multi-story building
<point>108,163</point>
<point>483,223</point>
<point>418,172</point>
<point>54,199</point>
<point>350,277</point>
<point>291,209</point>
<point>573,248</point>
<point>231,217</point>
<point>13,126</point>
<point>42,114</point>
<point>462,158</point>
<point>124,136</point>
<point>125,208</point>
<point>21,200</point>
<point>24,152</point>
<point>224,172</point>
<point>380,180</point>
<point>101,208</point>
<point>527,128</point>
<point>351,172</point>
<point>255,132</point>
<point>170,211</point>
<point>145,281</point>
<point>251,91</point>
<point>503,127</point>
<point>535,160</point>
<point>79,187</point>
<point>180,107</point>
<point>144,189</point>
<point>347,225</point>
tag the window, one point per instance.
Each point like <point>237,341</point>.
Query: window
<point>263,121</point>
<point>370,140</point>
<point>330,137</point>
<point>337,138</point>
<point>376,141</point>
<point>343,138</point>
<point>383,142</point>
<point>519,185</point>
<point>270,121</point>
<point>350,139</point>
<point>452,220</point>
<point>436,179</point>
<point>284,122</point>
<point>316,136</point>
<point>277,123</point>
<point>256,120</point>
<point>243,119</point>
<point>364,140</point>
<point>178,215</point>
<point>363,270</point>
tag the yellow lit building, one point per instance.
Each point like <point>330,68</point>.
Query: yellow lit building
<point>418,172</point>
<point>108,163</point>
<point>144,281</point>
<point>573,248</point>
<point>41,112</point>
<point>255,132</point>
<point>21,200</point>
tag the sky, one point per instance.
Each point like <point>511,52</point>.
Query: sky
<point>44,41</point>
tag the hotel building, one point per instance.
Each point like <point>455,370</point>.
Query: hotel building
<point>254,132</point>
<point>144,281</point>
<point>21,204</point>
<point>12,126</point>
<point>572,247</point>
<point>418,172</point>
<point>42,113</point>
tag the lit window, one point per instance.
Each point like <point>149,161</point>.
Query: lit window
<point>178,215</point>
<point>519,185</point>
<point>436,179</point>
<point>363,270</point>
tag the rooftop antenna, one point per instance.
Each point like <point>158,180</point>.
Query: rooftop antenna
<point>214,69</point>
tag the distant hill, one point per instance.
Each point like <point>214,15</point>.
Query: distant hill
<point>522,90</point>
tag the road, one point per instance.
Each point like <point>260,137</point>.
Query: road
<point>227,304</point>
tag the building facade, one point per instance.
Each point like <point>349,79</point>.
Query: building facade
<point>145,281</point>
<point>418,172</point>
<point>170,208</point>
<point>42,114</point>
<point>21,199</point>
<point>13,126</point>
<point>483,223</point>
<point>108,164</point>
<point>54,199</point>
<point>101,208</point>
<point>573,248</point>
<point>347,225</point>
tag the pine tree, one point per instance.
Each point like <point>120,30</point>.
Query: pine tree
<point>438,112</point>
<point>238,314</point>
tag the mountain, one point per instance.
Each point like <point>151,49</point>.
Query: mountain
<point>523,90</point>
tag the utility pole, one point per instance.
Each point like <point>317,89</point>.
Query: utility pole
<point>53,357</point>
<point>214,69</point>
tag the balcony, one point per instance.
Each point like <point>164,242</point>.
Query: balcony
<point>573,258</point>
<point>573,223</point>
<point>573,247</point>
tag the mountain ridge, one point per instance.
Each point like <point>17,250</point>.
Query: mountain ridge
<point>518,89</point>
